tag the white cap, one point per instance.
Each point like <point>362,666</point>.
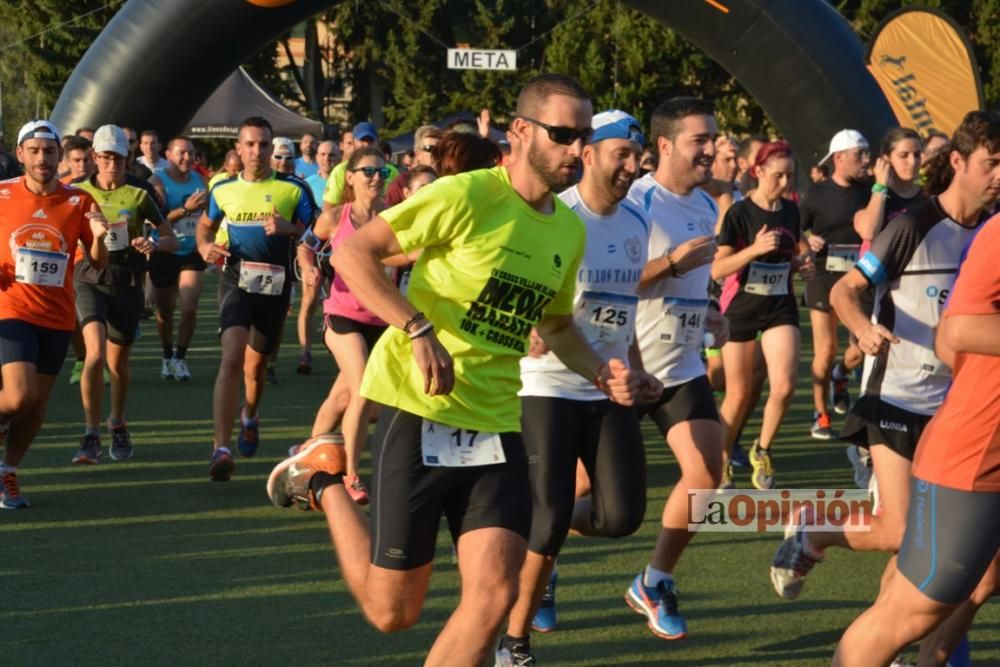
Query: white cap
<point>284,143</point>
<point>111,139</point>
<point>37,129</point>
<point>845,140</point>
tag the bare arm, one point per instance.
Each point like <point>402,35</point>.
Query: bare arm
<point>866,221</point>
<point>205,235</point>
<point>97,253</point>
<point>359,262</point>
<point>687,256</point>
<point>845,297</point>
<point>622,384</point>
<point>975,334</point>
<point>306,255</point>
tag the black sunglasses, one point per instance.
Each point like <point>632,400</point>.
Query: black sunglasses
<point>281,158</point>
<point>427,148</point>
<point>370,172</point>
<point>561,134</point>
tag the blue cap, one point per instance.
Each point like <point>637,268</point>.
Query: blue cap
<point>365,130</point>
<point>615,124</point>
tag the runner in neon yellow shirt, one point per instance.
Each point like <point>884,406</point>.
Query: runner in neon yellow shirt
<point>499,257</point>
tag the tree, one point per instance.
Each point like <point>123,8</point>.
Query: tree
<point>40,66</point>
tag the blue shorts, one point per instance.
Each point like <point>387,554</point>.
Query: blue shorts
<point>951,538</point>
<point>26,342</point>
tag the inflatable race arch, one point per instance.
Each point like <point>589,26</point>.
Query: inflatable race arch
<point>799,59</point>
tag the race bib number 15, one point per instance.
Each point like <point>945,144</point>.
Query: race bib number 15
<point>261,278</point>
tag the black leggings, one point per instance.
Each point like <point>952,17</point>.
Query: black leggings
<point>606,437</point>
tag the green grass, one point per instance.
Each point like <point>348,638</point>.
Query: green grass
<point>148,562</point>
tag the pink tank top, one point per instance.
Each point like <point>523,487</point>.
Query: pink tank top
<point>341,302</point>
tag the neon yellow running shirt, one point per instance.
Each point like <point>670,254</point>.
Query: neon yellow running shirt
<point>491,267</point>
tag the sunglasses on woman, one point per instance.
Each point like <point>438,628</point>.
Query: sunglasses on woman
<point>561,134</point>
<point>370,172</point>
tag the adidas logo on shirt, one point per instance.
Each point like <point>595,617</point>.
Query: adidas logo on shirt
<point>39,214</point>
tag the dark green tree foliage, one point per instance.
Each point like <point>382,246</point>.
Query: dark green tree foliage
<point>632,62</point>
<point>33,72</point>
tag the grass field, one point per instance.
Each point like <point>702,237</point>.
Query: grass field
<point>147,562</point>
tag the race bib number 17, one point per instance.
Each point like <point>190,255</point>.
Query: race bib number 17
<point>450,447</point>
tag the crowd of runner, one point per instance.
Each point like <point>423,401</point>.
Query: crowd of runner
<point>510,311</point>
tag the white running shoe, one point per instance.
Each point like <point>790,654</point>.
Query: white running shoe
<point>167,369</point>
<point>861,461</point>
<point>180,369</point>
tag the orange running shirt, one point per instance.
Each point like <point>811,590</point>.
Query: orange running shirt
<point>960,447</point>
<point>38,234</point>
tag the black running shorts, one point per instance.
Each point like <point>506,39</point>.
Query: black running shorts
<point>818,291</point>
<point>118,308</point>
<point>165,268</point>
<point>872,421</point>
<point>26,342</point>
<point>606,437</point>
<point>951,538</point>
<point>682,403</point>
<point>261,314</point>
<point>409,498</point>
<point>345,325</point>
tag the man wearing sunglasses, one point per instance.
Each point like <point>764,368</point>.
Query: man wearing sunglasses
<point>564,417</point>
<point>674,313</point>
<point>499,256</point>
<point>265,213</point>
<point>424,140</point>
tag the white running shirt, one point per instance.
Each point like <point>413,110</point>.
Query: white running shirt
<point>671,346</point>
<point>605,301</point>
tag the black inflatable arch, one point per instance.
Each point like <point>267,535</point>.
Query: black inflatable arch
<point>157,61</point>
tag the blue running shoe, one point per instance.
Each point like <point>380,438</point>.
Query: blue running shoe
<point>221,469</point>
<point>962,655</point>
<point>739,456</point>
<point>659,606</point>
<point>249,437</point>
<point>545,617</point>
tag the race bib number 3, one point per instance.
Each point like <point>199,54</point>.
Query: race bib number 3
<point>40,267</point>
<point>450,447</point>
<point>683,320</point>
<point>261,278</point>
<point>605,317</point>
<point>768,279</point>
<point>117,236</point>
<point>841,258</point>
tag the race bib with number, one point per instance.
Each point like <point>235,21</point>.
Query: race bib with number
<point>605,317</point>
<point>186,226</point>
<point>683,320</point>
<point>404,282</point>
<point>449,447</point>
<point>842,257</point>
<point>40,267</point>
<point>117,236</point>
<point>768,279</point>
<point>261,278</point>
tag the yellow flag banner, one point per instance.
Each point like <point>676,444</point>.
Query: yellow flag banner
<point>925,66</point>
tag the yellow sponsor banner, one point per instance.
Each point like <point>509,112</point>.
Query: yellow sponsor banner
<point>924,64</point>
